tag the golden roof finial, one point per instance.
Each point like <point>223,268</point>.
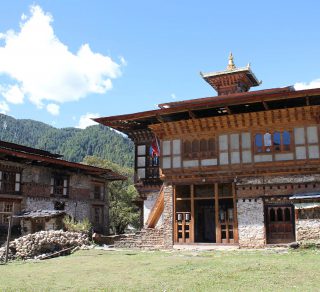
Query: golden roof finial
<point>231,64</point>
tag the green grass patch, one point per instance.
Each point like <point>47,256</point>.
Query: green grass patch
<point>96,270</point>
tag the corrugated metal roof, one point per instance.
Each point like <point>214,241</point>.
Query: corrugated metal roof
<point>40,214</point>
<point>305,196</point>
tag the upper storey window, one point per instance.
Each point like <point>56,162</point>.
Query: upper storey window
<point>59,186</point>
<point>194,149</point>
<point>9,182</point>
<point>272,142</point>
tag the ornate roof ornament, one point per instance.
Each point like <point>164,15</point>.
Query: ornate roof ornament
<point>231,65</point>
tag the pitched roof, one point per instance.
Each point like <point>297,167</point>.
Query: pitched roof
<point>259,100</point>
<point>40,157</point>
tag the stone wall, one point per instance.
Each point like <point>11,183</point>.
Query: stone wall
<point>75,208</point>
<point>167,216</point>
<point>147,238</point>
<point>251,222</point>
<point>308,229</point>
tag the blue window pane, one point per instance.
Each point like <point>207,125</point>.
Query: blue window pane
<point>276,141</point>
<point>276,138</point>
<point>286,138</point>
<point>258,142</point>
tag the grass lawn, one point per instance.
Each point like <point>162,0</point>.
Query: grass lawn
<point>167,271</point>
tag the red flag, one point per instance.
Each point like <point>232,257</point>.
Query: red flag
<point>155,147</point>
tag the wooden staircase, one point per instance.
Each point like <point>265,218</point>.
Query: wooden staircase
<point>157,210</point>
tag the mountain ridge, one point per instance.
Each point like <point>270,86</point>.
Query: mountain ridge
<point>73,143</point>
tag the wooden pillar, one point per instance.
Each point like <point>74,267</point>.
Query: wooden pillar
<point>175,224</point>
<point>192,215</point>
<point>216,206</point>
<point>8,238</point>
<point>235,214</point>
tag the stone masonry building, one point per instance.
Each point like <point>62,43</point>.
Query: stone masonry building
<point>41,183</point>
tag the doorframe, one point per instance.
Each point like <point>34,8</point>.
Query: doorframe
<point>266,215</point>
<point>215,198</point>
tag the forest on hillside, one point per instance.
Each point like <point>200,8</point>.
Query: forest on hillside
<point>73,143</point>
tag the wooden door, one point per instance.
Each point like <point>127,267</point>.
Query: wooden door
<point>280,223</point>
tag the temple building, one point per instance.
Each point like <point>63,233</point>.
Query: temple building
<point>241,168</point>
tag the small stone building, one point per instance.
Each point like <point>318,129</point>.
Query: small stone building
<point>231,166</point>
<point>34,221</point>
<point>33,180</point>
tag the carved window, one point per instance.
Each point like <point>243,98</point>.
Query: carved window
<point>199,149</point>
<point>141,161</point>
<point>10,182</point>
<point>147,162</point>
<point>59,186</point>
<point>98,191</point>
<point>152,164</point>
<point>8,208</point>
<point>269,142</point>
<point>195,148</point>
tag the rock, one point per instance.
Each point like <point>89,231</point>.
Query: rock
<point>39,245</point>
<point>294,245</point>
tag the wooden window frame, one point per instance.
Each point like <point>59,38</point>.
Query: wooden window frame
<point>5,217</point>
<point>199,153</point>
<point>171,155</point>
<point>137,159</point>
<point>95,214</point>
<point>151,165</point>
<point>307,144</point>
<point>11,185</point>
<point>98,194</point>
<point>59,190</point>
<point>282,146</point>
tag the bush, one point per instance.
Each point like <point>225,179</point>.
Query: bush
<point>71,224</point>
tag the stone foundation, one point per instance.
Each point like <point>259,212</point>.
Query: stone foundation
<point>308,229</point>
<point>77,209</point>
<point>251,223</point>
<point>147,238</point>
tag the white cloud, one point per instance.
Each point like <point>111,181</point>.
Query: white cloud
<point>4,107</point>
<point>173,96</point>
<point>53,109</point>
<point>44,68</point>
<point>123,61</point>
<point>304,85</point>
<point>13,94</point>
<point>86,120</point>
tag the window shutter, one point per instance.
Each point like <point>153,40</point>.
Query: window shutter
<point>17,184</point>
<point>101,192</point>
<point>65,187</point>
<point>51,185</point>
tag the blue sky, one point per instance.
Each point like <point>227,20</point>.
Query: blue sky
<point>64,61</point>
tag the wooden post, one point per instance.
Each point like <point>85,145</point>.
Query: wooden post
<point>216,206</point>
<point>235,214</point>
<point>175,223</point>
<point>191,228</point>
<point>8,238</point>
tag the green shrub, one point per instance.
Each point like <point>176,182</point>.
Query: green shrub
<point>71,224</point>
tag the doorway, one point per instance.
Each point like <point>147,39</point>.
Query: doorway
<point>205,230</point>
<point>280,223</point>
